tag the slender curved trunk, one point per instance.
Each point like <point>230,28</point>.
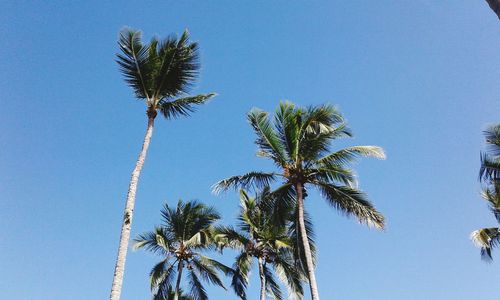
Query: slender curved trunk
<point>178,283</point>
<point>262,280</point>
<point>305,243</point>
<point>116,287</point>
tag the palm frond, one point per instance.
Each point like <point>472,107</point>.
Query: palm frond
<point>272,287</point>
<point>486,239</point>
<point>239,280</point>
<point>162,274</point>
<point>296,239</point>
<point>267,140</point>
<point>206,270</point>
<point>350,154</point>
<point>182,106</point>
<point>133,62</point>
<point>288,128</point>
<point>197,290</point>
<point>228,236</point>
<point>284,266</point>
<point>157,241</point>
<point>490,167</point>
<point>179,66</point>
<point>351,202</point>
<point>256,180</point>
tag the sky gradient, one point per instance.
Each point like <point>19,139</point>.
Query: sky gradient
<point>419,78</point>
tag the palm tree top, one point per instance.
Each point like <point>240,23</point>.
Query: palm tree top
<point>298,141</point>
<point>186,231</point>
<point>161,71</point>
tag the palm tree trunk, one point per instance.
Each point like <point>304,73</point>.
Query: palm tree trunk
<point>262,280</point>
<point>305,243</point>
<point>116,287</point>
<point>178,283</point>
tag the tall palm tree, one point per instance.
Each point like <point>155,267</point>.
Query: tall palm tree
<point>159,73</point>
<point>186,232</point>
<point>299,145</point>
<point>259,237</point>
<point>489,174</point>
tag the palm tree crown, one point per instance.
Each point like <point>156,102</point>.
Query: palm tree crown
<point>298,142</point>
<point>185,233</point>
<point>489,174</point>
<point>161,71</point>
<point>258,236</point>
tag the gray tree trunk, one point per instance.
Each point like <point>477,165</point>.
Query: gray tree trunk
<point>116,287</point>
<point>313,285</point>
<point>262,280</point>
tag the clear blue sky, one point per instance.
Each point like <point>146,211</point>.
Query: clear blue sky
<point>420,78</point>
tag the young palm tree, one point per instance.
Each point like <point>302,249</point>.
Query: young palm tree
<point>187,230</point>
<point>299,145</point>
<point>259,237</point>
<point>488,238</point>
<point>159,73</point>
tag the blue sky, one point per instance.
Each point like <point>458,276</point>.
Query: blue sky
<point>419,78</point>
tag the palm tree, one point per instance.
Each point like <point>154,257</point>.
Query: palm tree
<point>159,73</point>
<point>489,174</point>
<point>299,145</point>
<point>259,237</point>
<point>170,295</point>
<point>187,230</point>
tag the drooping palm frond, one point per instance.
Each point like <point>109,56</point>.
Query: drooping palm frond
<point>285,268</point>
<point>351,202</point>
<point>198,292</point>
<point>490,161</point>
<point>207,271</point>
<point>162,273</point>
<point>240,279</point>
<point>253,180</point>
<point>272,287</point>
<point>296,238</point>
<point>486,239</point>
<point>182,106</point>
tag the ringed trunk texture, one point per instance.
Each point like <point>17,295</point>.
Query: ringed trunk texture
<point>305,243</point>
<point>178,283</point>
<point>262,280</point>
<point>116,287</point>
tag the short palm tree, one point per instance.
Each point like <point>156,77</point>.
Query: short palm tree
<point>488,238</point>
<point>259,237</point>
<point>299,145</point>
<point>159,73</point>
<point>186,232</point>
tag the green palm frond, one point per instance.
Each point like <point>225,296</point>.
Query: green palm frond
<point>490,161</point>
<point>268,141</point>
<point>162,274</point>
<point>296,239</point>
<point>351,202</point>
<point>256,180</point>
<point>198,292</point>
<point>272,287</point>
<point>158,241</point>
<point>486,239</point>
<point>178,66</point>
<point>242,268</point>
<point>183,106</point>
<point>207,271</point>
<point>133,62</point>
<point>350,154</point>
<point>284,266</point>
